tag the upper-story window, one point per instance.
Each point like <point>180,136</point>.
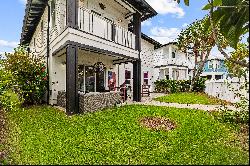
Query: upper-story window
<point>173,55</point>
<point>34,42</point>
<point>42,27</point>
<point>210,65</point>
<point>218,65</point>
<point>53,13</point>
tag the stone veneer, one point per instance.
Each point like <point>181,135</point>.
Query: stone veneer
<point>92,102</point>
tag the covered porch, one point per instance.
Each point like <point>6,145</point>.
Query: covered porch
<point>173,73</point>
<point>86,79</point>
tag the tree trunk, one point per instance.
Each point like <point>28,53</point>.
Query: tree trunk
<point>194,73</point>
<point>200,69</point>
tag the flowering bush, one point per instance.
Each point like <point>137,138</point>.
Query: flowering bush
<point>29,77</point>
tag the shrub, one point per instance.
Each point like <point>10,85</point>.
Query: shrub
<point>5,80</point>
<point>9,100</point>
<point>29,75</point>
<point>232,116</point>
<point>174,86</point>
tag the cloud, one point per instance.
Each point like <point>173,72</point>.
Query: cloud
<point>23,1</point>
<point>185,25</point>
<point>12,44</point>
<point>164,35</point>
<point>146,23</point>
<point>215,53</point>
<point>167,7</point>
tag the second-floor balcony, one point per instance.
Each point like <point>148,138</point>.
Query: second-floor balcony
<point>174,61</point>
<point>104,28</point>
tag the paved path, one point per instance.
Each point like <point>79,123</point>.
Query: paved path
<point>150,101</point>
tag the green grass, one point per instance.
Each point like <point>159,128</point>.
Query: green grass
<point>44,135</point>
<point>190,98</point>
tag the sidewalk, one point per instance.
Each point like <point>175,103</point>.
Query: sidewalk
<point>150,101</point>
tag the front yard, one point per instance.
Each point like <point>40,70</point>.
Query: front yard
<point>191,98</point>
<point>44,135</point>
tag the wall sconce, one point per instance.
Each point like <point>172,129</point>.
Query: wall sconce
<point>102,6</point>
<point>63,63</point>
<point>119,20</point>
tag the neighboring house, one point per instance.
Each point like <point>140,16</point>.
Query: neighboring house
<point>87,45</point>
<point>170,63</point>
<point>215,69</point>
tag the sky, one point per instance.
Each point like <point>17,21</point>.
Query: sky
<point>164,27</point>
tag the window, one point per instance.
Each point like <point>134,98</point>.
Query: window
<point>127,76</point>
<point>145,76</point>
<point>173,54</point>
<point>167,77</point>
<point>218,77</point>
<point>53,13</point>
<point>210,65</point>
<point>42,27</point>
<point>90,79</point>
<point>34,42</point>
<point>209,77</point>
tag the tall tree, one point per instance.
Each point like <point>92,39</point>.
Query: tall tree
<point>232,16</point>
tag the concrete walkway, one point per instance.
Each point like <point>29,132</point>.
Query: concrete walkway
<point>150,101</point>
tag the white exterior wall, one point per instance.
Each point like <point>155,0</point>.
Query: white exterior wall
<point>147,65</point>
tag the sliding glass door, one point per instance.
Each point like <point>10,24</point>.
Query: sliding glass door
<point>89,80</point>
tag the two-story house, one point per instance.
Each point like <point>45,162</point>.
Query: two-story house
<point>84,42</point>
<point>215,69</point>
<point>170,63</point>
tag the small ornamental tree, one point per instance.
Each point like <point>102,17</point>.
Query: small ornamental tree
<point>198,38</point>
<point>28,73</point>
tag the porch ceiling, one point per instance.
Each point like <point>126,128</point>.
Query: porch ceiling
<point>90,57</point>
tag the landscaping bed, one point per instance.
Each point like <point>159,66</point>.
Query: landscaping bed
<point>45,135</point>
<point>3,130</point>
<point>191,98</point>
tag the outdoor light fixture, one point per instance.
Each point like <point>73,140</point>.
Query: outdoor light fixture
<point>63,63</point>
<point>102,6</point>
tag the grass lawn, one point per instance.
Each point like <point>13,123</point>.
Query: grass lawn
<point>191,98</point>
<point>44,135</point>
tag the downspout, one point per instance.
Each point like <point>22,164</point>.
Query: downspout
<point>48,54</point>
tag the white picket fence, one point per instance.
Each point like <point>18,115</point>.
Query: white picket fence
<point>221,90</point>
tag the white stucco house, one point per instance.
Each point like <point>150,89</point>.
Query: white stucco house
<point>89,47</point>
<point>170,63</point>
<point>93,48</point>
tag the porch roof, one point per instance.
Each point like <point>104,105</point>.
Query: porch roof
<point>35,9</point>
<point>33,13</point>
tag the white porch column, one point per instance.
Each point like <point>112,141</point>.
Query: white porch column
<point>170,73</point>
<point>187,76</point>
<point>170,53</point>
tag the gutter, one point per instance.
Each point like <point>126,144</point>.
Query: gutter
<point>48,54</point>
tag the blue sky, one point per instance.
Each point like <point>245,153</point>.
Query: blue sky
<point>164,27</point>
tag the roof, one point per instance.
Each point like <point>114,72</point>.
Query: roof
<point>142,6</point>
<point>150,40</point>
<point>170,43</point>
<point>33,13</point>
<point>35,9</point>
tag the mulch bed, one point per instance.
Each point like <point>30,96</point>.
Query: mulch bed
<point>3,130</point>
<point>158,123</point>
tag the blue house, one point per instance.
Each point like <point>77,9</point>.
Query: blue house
<point>215,69</point>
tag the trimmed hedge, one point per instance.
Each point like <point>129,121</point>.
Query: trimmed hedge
<point>174,86</point>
